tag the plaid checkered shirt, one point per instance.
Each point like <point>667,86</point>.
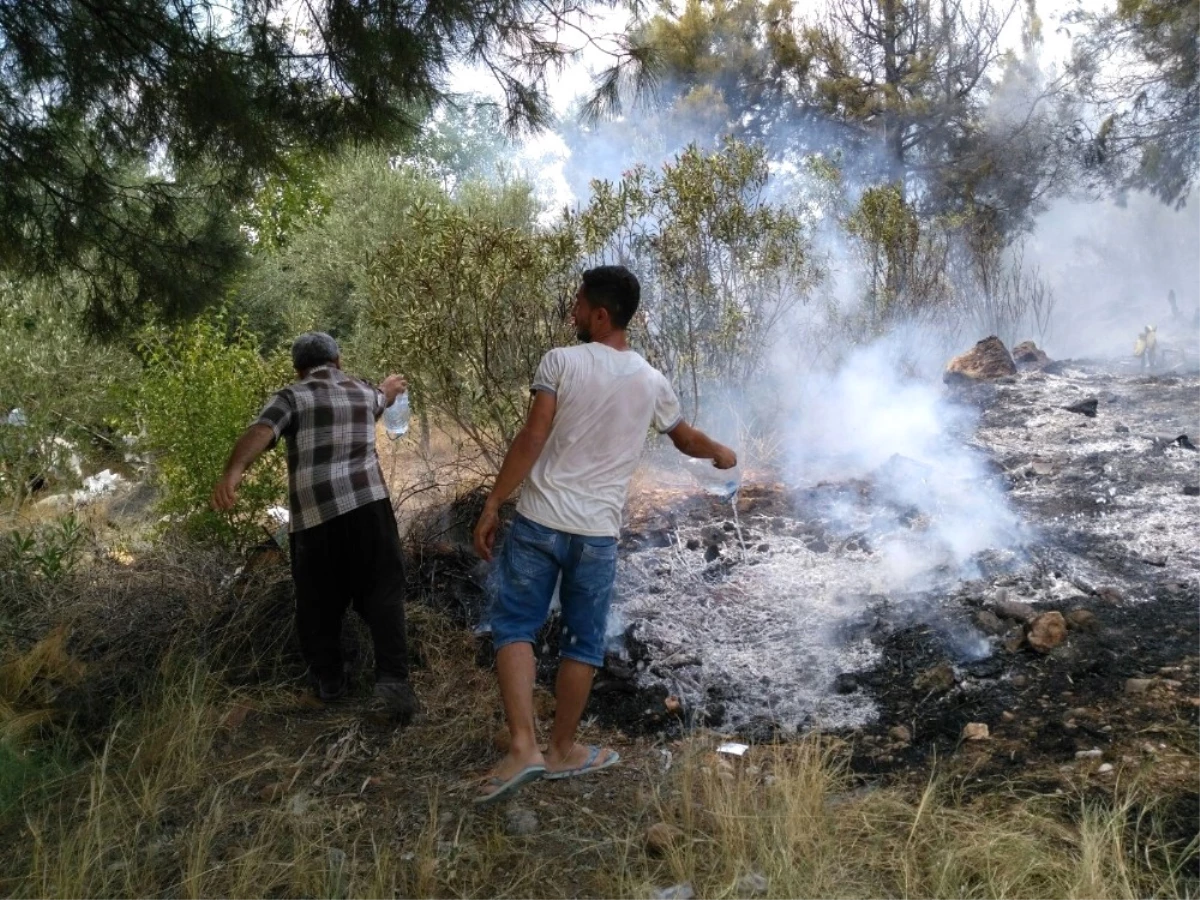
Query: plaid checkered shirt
<point>328,421</point>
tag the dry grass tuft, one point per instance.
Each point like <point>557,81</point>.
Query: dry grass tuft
<point>28,682</point>
<point>787,817</point>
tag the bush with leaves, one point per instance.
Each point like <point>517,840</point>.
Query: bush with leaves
<point>463,290</point>
<point>35,562</point>
<point>903,254</point>
<point>466,305</point>
<point>48,552</point>
<point>318,234</point>
<point>202,384</point>
<point>958,274</point>
<point>720,264</point>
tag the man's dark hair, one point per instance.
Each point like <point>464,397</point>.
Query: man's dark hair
<point>614,288</point>
<point>312,349</point>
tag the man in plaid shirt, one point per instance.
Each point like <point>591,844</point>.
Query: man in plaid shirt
<point>345,545</point>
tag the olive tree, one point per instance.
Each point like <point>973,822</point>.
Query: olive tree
<point>465,305</point>
<point>720,264</point>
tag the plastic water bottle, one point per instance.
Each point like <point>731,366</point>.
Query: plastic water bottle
<point>395,417</point>
<point>718,482</point>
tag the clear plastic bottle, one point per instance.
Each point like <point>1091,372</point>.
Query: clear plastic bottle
<point>395,417</point>
<point>718,482</point>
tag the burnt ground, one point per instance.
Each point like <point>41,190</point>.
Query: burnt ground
<point>1042,707</point>
<point>1104,525</point>
<point>783,620</point>
<point>789,617</point>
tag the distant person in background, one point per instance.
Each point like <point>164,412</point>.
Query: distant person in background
<point>593,405</point>
<point>1146,347</point>
<point>345,546</point>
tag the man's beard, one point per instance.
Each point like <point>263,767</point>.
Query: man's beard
<point>583,335</point>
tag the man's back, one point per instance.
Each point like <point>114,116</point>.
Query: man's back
<point>606,401</point>
<point>328,420</point>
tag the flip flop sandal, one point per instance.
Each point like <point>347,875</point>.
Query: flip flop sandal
<point>589,766</point>
<point>507,788</point>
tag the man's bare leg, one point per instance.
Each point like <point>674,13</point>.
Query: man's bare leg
<point>571,690</point>
<point>515,669</point>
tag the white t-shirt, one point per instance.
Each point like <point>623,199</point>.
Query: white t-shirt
<point>606,401</point>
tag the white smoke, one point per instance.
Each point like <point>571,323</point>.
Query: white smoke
<point>1111,265</point>
<point>878,419</point>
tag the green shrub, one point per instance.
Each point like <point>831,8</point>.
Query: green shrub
<point>35,565</point>
<point>202,385</point>
<point>313,275</point>
<point>466,304</point>
<point>48,551</point>
<point>721,263</point>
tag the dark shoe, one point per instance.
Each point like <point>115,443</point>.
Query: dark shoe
<point>396,700</point>
<point>330,690</point>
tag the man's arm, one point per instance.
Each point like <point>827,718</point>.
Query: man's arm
<point>249,447</point>
<point>695,443</point>
<point>524,452</point>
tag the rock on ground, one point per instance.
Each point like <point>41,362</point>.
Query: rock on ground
<point>1086,407</point>
<point>1014,609</point>
<point>520,822</point>
<point>935,680</point>
<point>1047,631</point>
<point>975,731</point>
<point>1137,685</point>
<point>986,361</point>
<point>900,733</point>
<point>1027,355</point>
<point>1082,618</point>
<point>989,622</point>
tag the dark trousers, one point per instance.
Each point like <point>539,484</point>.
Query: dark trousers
<point>353,558</point>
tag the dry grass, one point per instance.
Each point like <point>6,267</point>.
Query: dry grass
<point>204,781</point>
<point>171,805</point>
<point>427,471</point>
<point>26,684</point>
<point>786,815</point>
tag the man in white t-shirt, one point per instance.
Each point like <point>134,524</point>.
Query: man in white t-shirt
<point>592,407</point>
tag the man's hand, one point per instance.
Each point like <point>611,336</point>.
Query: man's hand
<point>485,532</point>
<point>254,440</point>
<point>724,458</point>
<point>393,386</point>
<point>224,493</point>
<point>518,462</point>
<point>695,443</point>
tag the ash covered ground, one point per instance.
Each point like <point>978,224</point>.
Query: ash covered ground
<point>906,594</point>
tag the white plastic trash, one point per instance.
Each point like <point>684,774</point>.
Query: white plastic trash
<point>734,749</point>
<point>675,892</point>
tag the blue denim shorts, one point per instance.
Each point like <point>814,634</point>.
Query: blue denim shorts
<point>530,562</point>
